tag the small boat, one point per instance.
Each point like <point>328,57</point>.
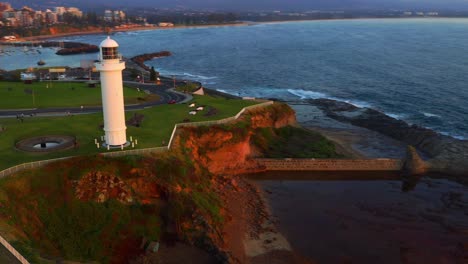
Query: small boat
<point>41,63</point>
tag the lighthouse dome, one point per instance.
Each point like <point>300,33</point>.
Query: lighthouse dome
<point>108,43</point>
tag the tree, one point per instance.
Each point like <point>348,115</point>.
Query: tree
<point>153,74</point>
<point>92,18</point>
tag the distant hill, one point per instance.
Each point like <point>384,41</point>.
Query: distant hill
<point>253,4</point>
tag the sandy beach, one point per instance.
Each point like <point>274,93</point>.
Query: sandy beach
<point>130,29</point>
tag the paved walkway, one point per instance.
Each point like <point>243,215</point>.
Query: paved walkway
<point>7,257</point>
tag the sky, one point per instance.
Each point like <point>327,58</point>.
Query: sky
<point>250,5</point>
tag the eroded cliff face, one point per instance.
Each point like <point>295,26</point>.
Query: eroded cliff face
<point>226,149</point>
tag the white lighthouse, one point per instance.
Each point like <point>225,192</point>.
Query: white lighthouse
<point>110,67</point>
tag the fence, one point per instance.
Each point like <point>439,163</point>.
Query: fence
<point>37,164</point>
<point>25,166</point>
<point>135,152</point>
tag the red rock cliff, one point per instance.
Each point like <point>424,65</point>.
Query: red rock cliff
<point>226,149</point>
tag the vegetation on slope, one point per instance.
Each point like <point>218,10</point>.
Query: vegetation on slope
<point>293,142</point>
<point>168,199</point>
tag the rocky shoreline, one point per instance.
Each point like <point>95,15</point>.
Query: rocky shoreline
<point>444,154</point>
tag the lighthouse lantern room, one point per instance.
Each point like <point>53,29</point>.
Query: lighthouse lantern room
<point>110,67</point>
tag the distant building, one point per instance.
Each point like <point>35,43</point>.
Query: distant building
<point>51,17</point>
<point>12,22</point>
<point>408,13</point>
<point>108,15</point>
<point>432,14</point>
<point>4,6</point>
<point>25,17</point>
<point>60,10</point>
<point>10,13</point>
<point>28,76</point>
<point>114,15</point>
<point>74,11</point>
<point>119,15</point>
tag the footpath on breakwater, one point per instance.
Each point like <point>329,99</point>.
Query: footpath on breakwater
<point>331,164</point>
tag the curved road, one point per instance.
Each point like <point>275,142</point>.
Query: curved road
<point>163,91</point>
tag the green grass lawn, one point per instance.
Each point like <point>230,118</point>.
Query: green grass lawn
<point>17,95</point>
<point>155,129</point>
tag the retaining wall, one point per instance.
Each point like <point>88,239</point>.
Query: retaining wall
<point>25,166</point>
<point>331,164</point>
<point>135,152</point>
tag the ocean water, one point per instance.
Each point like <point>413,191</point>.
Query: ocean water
<point>368,222</point>
<point>412,69</point>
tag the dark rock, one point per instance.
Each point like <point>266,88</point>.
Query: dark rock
<point>140,59</point>
<point>449,155</point>
<point>71,48</point>
<point>414,165</point>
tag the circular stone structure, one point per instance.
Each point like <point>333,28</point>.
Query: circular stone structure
<point>45,144</point>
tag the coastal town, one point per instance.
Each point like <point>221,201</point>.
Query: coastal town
<point>26,22</point>
<point>17,22</point>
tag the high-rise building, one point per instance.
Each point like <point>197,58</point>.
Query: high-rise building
<point>74,11</point>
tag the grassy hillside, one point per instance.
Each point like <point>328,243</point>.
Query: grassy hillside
<point>57,209</point>
<point>17,95</point>
<point>154,131</point>
<point>293,142</point>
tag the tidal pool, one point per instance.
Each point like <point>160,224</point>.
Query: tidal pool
<point>381,220</point>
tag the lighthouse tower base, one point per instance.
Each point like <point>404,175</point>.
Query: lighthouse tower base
<point>105,145</point>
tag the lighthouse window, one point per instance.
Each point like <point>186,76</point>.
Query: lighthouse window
<point>109,53</point>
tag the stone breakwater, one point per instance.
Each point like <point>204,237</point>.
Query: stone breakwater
<point>141,59</point>
<point>331,164</point>
<point>66,47</point>
<point>446,154</point>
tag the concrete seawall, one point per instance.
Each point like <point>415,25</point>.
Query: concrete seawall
<point>331,164</point>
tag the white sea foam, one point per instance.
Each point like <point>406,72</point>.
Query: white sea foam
<point>199,76</point>
<point>397,116</point>
<point>430,114</point>
<point>303,94</point>
<point>186,75</point>
<point>221,90</point>
<point>355,102</point>
<point>452,135</point>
